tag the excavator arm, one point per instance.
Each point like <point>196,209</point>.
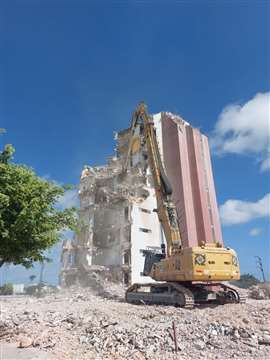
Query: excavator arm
<point>165,208</point>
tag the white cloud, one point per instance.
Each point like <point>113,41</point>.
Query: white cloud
<point>265,165</point>
<point>245,129</point>
<point>238,211</point>
<point>69,199</point>
<point>255,232</point>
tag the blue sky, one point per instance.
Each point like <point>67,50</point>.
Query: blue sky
<point>71,72</point>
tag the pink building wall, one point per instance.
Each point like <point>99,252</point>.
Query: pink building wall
<point>188,166</point>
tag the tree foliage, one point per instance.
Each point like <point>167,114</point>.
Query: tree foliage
<point>30,221</point>
<point>6,154</point>
<point>6,289</point>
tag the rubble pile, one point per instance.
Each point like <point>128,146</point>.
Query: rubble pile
<point>79,324</point>
<point>100,281</point>
<point>260,291</point>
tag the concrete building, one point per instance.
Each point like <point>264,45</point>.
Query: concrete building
<point>116,207</point>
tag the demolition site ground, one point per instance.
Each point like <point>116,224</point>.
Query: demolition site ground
<point>82,323</point>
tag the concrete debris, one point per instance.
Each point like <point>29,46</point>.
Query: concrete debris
<point>25,342</point>
<point>81,324</point>
<point>260,291</point>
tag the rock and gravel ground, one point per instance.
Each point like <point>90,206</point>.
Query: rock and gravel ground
<point>78,324</point>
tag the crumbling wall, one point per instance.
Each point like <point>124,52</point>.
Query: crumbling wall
<point>116,217</point>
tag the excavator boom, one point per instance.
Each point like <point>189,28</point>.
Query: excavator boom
<point>165,208</point>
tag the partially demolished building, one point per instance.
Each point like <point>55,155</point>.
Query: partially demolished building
<point>117,219</point>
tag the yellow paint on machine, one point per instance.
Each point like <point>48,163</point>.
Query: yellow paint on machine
<point>210,263</point>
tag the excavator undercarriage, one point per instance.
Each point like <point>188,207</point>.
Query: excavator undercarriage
<point>185,295</point>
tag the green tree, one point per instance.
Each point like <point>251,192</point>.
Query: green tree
<point>6,154</point>
<point>6,289</point>
<point>30,221</point>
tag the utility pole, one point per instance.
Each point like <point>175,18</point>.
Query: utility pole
<point>260,266</point>
<point>41,277</point>
<point>42,265</point>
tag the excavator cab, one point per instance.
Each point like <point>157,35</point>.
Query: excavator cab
<point>151,258</point>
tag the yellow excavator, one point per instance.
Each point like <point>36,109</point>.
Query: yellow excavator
<point>183,276</point>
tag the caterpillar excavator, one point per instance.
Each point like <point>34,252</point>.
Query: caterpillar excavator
<point>184,276</point>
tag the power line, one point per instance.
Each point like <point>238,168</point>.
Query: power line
<point>260,266</point>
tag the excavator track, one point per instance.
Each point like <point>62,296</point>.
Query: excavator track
<point>189,298</point>
<point>160,294</point>
<point>235,295</point>
<point>186,297</point>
